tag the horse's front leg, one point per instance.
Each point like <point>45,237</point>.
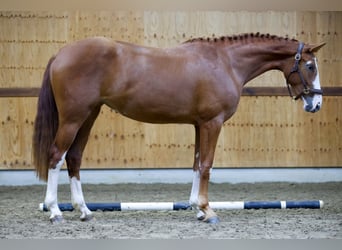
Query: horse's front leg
<point>196,175</point>
<point>206,139</point>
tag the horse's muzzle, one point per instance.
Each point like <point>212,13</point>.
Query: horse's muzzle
<point>312,109</point>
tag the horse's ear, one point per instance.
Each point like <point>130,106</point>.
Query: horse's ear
<point>315,48</point>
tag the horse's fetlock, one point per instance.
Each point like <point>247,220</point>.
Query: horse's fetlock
<point>193,202</point>
<point>49,201</point>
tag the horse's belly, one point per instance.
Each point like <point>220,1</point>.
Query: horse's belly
<point>157,114</point>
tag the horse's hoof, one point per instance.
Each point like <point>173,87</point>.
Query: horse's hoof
<point>58,219</point>
<point>213,220</point>
<point>88,217</point>
<point>200,215</point>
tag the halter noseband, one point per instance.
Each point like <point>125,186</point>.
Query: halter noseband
<point>295,69</point>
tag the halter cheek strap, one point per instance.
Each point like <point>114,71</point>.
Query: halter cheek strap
<point>298,57</point>
<point>295,69</point>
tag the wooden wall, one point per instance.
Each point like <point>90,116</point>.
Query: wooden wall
<point>266,131</point>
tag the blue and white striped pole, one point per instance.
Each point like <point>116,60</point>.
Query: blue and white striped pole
<point>224,205</point>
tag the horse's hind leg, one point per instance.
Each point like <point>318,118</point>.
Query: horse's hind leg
<point>74,159</point>
<point>51,192</point>
<point>65,135</point>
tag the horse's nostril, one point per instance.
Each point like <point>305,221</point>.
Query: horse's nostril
<point>317,108</point>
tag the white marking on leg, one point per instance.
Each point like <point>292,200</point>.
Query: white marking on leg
<point>77,198</point>
<point>194,195</point>
<point>52,187</point>
<point>195,189</point>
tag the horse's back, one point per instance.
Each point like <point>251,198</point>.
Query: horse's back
<point>84,53</point>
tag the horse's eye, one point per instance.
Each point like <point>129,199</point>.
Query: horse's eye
<point>310,67</point>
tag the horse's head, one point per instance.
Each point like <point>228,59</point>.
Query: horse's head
<point>302,77</point>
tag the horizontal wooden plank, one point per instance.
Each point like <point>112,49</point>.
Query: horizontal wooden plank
<point>19,92</point>
<point>247,91</point>
<point>279,91</point>
<point>332,91</point>
<point>265,91</point>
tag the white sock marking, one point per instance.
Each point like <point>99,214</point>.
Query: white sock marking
<point>52,187</point>
<point>77,197</point>
<point>195,189</point>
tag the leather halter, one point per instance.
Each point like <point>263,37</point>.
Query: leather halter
<point>295,69</point>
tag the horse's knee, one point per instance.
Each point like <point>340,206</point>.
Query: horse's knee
<point>205,169</point>
<point>205,175</point>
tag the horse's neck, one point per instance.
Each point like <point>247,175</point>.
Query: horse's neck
<point>253,59</point>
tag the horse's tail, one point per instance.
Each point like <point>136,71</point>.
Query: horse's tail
<point>45,127</point>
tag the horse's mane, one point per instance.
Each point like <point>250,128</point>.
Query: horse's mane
<point>240,37</point>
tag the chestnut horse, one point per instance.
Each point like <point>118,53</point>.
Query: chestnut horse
<point>198,82</point>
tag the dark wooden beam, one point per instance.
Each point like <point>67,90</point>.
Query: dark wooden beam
<point>280,91</point>
<point>264,91</point>
<point>247,91</point>
<point>19,92</point>
<point>332,91</point>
